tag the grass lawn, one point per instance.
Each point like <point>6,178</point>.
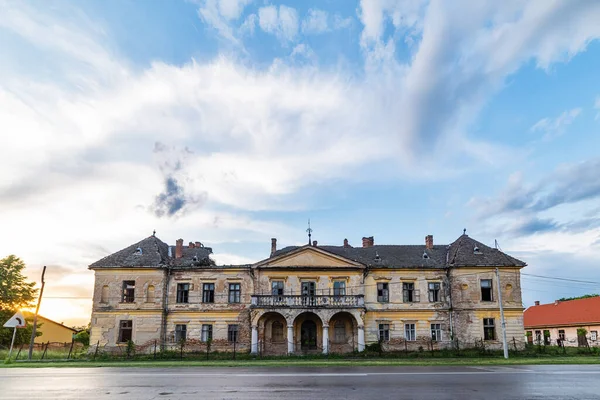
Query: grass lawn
<point>313,363</point>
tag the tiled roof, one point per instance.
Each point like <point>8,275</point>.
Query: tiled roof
<point>461,253</point>
<point>407,256</point>
<point>570,312</point>
<point>154,253</point>
<point>192,257</point>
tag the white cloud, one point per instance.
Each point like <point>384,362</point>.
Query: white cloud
<point>553,127</point>
<point>219,14</point>
<point>282,22</point>
<point>340,22</point>
<point>78,161</point>
<point>315,22</point>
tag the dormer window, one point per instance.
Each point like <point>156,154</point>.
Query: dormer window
<point>377,258</point>
<point>476,250</point>
<point>425,255</point>
<point>138,251</point>
<point>195,259</point>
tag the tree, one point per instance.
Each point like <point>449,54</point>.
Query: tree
<point>15,293</point>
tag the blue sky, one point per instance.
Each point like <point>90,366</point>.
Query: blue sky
<point>234,121</point>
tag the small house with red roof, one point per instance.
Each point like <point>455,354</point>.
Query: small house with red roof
<point>560,321</point>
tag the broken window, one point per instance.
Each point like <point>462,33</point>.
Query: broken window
<point>150,294</point>
<point>206,334</point>
<point>277,288</point>
<point>384,332</point>
<point>208,293</point>
<point>593,335</point>
<point>339,332</point>
<point>538,337</point>
<point>408,292</point>
<point>128,292</point>
<point>383,294</point>
<point>277,332</point>
<point>234,292</point>
<point>436,332</point>
<point>232,333</point>
<point>486,290</point>
<point>183,292</point>
<point>529,337</point>
<point>104,294</point>
<point>561,334</point>
<point>180,332</point>
<point>489,329</point>
<point>410,332</point>
<point>434,292</point>
<point>546,337</point>
<point>339,288</point>
<point>125,331</point>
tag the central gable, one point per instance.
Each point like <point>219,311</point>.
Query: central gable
<point>308,257</point>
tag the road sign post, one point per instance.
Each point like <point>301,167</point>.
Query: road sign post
<point>16,321</point>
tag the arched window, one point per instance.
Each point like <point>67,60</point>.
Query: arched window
<point>150,294</point>
<point>339,332</point>
<point>277,332</point>
<point>104,294</point>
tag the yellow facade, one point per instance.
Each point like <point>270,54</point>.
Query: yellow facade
<point>53,332</point>
<point>306,300</point>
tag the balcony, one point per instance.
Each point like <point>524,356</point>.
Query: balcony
<point>299,301</point>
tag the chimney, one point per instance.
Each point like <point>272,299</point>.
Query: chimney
<point>537,302</point>
<point>191,245</point>
<point>429,242</point>
<point>273,246</point>
<point>314,243</point>
<point>179,248</point>
<point>368,241</point>
<point>198,244</point>
<point>346,245</point>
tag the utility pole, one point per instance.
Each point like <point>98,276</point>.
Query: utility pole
<point>37,310</point>
<point>504,343</point>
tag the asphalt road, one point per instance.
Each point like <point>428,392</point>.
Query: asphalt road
<point>432,383</point>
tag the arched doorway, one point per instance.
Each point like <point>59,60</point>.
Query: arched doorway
<point>272,334</point>
<point>308,335</point>
<point>308,332</point>
<point>343,331</point>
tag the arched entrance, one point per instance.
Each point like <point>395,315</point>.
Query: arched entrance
<point>308,335</point>
<point>343,333</point>
<point>272,334</point>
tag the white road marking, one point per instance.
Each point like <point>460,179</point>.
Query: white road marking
<point>63,373</point>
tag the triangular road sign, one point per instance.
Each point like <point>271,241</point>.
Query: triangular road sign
<point>16,321</point>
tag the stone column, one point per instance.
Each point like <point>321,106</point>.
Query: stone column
<point>361,338</point>
<point>325,339</point>
<point>254,347</point>
<point>290,339</point>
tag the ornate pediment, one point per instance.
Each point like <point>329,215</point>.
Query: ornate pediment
<point>308,257</point>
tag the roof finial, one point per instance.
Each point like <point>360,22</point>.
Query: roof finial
<point>464,231</point>
<point>154,232</point>
<point>309,230</point>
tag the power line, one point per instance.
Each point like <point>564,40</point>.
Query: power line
<point>561,279</point>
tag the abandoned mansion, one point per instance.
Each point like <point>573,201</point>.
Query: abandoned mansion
<point>311,298</point>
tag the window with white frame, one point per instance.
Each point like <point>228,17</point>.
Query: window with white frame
<point>410,332</point>
<point>594,335</point>
<point>436,332</point>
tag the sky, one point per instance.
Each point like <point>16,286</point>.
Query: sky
<point>230,122</point>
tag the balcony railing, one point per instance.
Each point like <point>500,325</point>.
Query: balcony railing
<point>299,301</point>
